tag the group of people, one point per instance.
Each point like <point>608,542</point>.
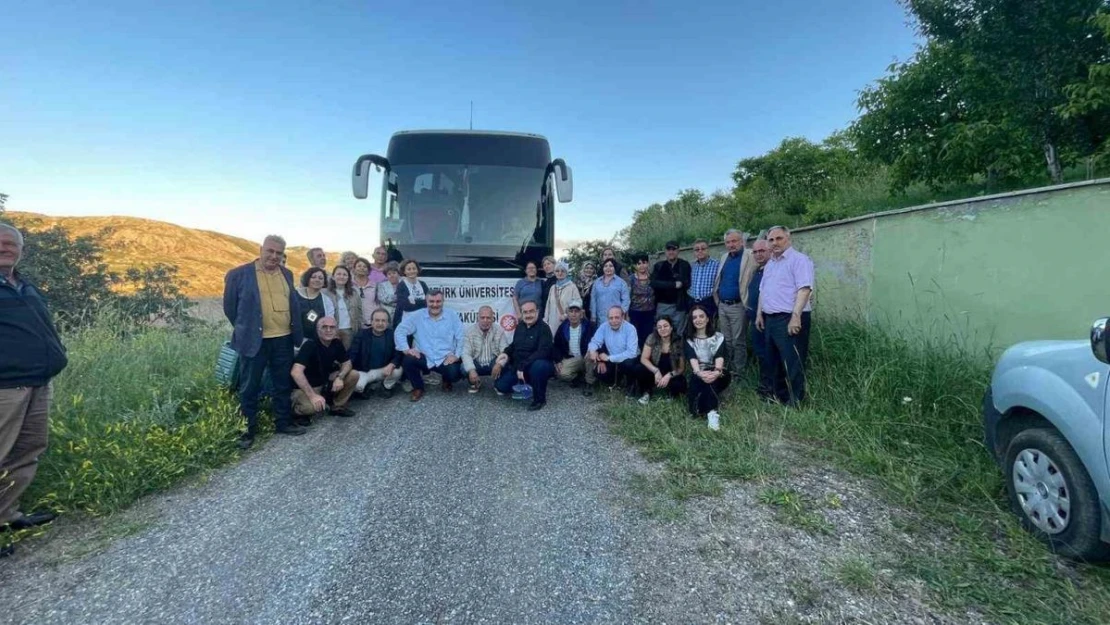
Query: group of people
<point>673,328</point>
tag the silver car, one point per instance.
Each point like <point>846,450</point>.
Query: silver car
<point>1045,423</point>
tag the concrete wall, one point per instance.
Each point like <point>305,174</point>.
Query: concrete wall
<point>987,271</point>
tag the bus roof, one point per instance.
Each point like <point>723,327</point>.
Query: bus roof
<point>495,133</point>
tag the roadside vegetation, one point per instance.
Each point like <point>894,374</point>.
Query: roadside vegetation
<point>138,408</point>
<point>902,413</point>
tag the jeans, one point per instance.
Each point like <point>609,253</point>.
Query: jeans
<point>277,354</point>
<point>758,340</point>
<point>786,357</point>
<point>644,322</point>
<point>415,368</point>
<point>537,375</point>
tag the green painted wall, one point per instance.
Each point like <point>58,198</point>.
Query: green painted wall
<point>984,272</point>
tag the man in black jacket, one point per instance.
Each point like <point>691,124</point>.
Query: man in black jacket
<point>671,279</point>
<point>530,357</point>
<point>374,356</point>
<point>572,341</point>
<point>31,356</point>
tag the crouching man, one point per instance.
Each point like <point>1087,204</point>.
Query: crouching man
<point>615,352</point>
<point>528,358</point>
<point>483,343</point>
<point>572,341</point>
<point>374,357</point>
<point>314,373</point>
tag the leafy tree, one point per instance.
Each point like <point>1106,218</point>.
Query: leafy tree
<point>591,251</point>
<point>982,96</point>
<point>156,294</point>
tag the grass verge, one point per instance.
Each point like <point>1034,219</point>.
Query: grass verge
<point>904,412</point>
<point>136,410</point>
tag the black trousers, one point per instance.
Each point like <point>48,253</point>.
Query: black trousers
<point>785,373</point>
<point>621,373</point>
<point>702,397</point>
<point>646,382</point>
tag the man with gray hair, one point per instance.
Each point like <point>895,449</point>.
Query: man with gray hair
<point>261,304</point>
<point>730,292</point>
<point>32,355</point>
<point>482,344</point>
<point>784,314</point>
<point>317,258</point>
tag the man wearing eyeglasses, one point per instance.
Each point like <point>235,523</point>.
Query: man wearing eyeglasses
<point>703,273</point>
<point>314,372</point>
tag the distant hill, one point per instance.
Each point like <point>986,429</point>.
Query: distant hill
<point>202,256</point>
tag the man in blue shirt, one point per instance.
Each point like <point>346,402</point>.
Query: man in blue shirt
<point>438,344</point>
<point>761,253</point>
<point>615,351</point>
<point>731,294</point>
<point>703,274</point>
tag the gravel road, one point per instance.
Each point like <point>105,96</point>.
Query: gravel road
<point>458,509</point>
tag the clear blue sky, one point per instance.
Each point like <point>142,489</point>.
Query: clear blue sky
<point>246,118</point>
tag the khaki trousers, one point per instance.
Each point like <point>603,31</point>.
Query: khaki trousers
<point>571,367</point>
<point>302,405</point>
<point>734,324</point>
<point>23,438</point>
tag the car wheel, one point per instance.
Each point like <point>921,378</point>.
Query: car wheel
<point>1053,495</point>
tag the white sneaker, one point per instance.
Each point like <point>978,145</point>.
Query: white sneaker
<point>645,399</point>
<point>714,420</point>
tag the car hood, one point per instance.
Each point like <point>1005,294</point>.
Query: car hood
<point>1058,356</point>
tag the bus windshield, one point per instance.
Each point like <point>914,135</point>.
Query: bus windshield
<point>489,206</point>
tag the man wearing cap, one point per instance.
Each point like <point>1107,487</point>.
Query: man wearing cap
<point>483,342</point>
<point>572,341</point>
<point>527,360</point>
<point>730,291</point>
<point>671,278</point>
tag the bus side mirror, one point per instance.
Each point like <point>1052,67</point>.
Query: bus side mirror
<point>564,181</point>
<point>360,176</point>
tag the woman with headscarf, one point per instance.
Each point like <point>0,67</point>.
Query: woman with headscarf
<point>586,276</point>
<point>562,293</point>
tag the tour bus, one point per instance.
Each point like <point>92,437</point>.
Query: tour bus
<point>471,207</point>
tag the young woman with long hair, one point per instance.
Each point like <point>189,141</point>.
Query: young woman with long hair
<point>705,353</point>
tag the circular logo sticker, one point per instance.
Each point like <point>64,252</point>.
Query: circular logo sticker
<point>508,323</point>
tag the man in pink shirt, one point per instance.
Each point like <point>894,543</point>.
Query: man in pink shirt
<point>783,315</point>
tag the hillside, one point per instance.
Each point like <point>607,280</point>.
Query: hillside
<point>202,256</point>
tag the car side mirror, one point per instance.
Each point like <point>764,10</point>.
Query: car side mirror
<point>1099,338</point>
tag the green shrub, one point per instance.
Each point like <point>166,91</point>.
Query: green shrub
<point>136,410</point>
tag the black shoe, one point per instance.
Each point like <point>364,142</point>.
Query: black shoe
<point>386,393</point>
<point>34,519</point>
<point>7,550</point>
<point>291,430</point>
<point>576,383</point>
<point>537,405</point>
<point>588,391</point>
<point>303,422</point>
<point>342,411</point>
<point>245,441</point>
<point>448,386</point>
